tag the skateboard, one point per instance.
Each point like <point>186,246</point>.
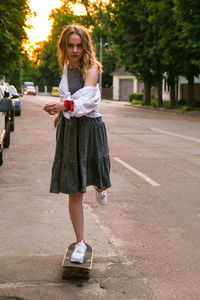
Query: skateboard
<point>74,270</point>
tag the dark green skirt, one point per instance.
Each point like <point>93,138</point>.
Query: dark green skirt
<point>81,157</point>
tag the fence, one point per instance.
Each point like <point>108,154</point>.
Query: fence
<point>107,93</point>
<point>184,92</point>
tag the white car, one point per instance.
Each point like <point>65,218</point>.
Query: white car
<point>30,90</point>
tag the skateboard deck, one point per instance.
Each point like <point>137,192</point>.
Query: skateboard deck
<point>72,269</point>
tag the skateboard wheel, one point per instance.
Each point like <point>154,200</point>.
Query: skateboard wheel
<point>64,274</point>
<point>87,276</point>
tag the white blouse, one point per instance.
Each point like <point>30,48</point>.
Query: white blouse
<point>86,100</point>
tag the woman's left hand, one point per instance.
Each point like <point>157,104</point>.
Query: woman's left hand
<point>53,108</point>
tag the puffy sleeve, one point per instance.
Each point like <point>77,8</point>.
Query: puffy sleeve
<point>85,101</point>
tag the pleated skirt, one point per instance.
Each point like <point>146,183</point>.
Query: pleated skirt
<point>81,156</point>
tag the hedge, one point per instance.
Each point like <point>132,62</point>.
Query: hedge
<point>135,96</point>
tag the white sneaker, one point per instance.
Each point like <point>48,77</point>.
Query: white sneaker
<point>102,197</point>
<point>79,253</point>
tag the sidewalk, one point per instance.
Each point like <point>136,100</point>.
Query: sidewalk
<point>161,109</point>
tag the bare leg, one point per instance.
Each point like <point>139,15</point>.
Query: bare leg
<point>76,215</point>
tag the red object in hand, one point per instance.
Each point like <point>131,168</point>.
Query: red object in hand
<point>72,106</point>
<point>69,105</point>
<point>66,104</point>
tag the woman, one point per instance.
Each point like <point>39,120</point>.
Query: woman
<point>82,155</point>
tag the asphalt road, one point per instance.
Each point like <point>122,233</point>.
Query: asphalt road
<point>146,240</point>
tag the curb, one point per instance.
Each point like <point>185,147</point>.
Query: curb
<point>176,111</point>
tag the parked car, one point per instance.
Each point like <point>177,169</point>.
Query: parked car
<point>30,90</point>
<point>16,97</point>
<point>10,115</point>
<point>55,91</point>
<point>28,83</point>
<point>5,107</point>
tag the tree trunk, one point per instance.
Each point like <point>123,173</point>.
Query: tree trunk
<point>160,96</point>
<point>171,79</point>
<point>147,93</point>
<point>177,89</point>
<point>172,93</point>
<point>191,100</point>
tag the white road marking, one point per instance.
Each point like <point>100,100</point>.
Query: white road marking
<point>143,176</point>
<point>186,137</point>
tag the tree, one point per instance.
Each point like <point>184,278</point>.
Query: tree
<point>187,13</point>
<point>178,22</point>
<point>101,32</point>
<point>49,69</point>
<point>161,18</point>
<point>136,43</point>
<point>29,69</point>
<point>157,37</point>
<point>13,15</point>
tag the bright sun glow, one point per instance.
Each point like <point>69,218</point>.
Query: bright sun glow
<point>41,23</point>
<point>78,9</point>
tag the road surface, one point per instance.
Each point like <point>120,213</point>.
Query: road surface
<point>146,240</point>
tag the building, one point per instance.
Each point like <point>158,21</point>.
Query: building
<point>125,84</point>
<point>182,89</point>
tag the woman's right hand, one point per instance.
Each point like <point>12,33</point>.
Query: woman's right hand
<point>56,120</point>
<point>53,108</point>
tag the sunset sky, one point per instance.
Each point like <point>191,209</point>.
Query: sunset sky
<point>41,25</point>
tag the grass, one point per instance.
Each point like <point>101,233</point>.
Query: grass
<point>154,103</point>
<point>185,108</point>
<point>138,102</point>
<point>166,105</point>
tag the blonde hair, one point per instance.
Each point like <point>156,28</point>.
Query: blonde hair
<point>89,58</point>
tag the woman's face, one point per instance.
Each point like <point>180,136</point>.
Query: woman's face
<point>74,49</point>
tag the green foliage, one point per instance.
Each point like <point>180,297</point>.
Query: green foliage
<point>136,96</point>
<point>136,41</point>
<point>131,97</point>
<point>167,105</point>
<point>109,57</point>
<point>186,108</point>
<point>157,37</point>
<point>49,69</point>
<point>12,23</point>
<point>128,27</point>
<point>43,68</point>
<point>109,64</point>
<point>30,70</point>
<point>137,102</point>
<point>154,103</point>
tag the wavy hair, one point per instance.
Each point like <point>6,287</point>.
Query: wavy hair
<point>89,58</point>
